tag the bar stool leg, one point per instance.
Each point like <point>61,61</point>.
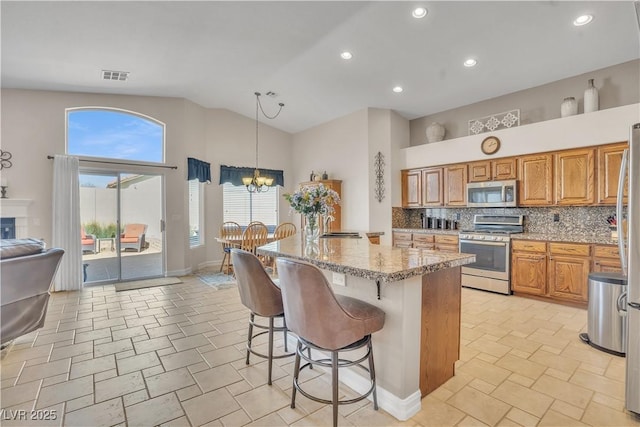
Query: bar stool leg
<point>252,317</point>
<point>223,260</point>
<point>372,372</point>
<point>296,371</point>
<point>270,348</point>
<point>334,386</point>
<point>284,323</point>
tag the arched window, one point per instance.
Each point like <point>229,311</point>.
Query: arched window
<point>114,134</point>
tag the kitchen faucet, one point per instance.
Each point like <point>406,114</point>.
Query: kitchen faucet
<point>327,222</point>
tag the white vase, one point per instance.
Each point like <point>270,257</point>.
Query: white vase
<point>591,100</point>
<point>569,107</point>
<point>435,132</point>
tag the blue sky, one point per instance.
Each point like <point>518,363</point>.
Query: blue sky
<point>115,135</point>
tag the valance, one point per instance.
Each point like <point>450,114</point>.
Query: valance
<point>197,169</point>
<point>234,175</point>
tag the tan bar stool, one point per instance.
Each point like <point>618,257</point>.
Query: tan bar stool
<point>260,295</point>
<point>329,323</point>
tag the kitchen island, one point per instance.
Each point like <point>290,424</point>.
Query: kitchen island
<point>419,291</point>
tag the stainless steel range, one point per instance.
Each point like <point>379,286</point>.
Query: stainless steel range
<point>490,242</point>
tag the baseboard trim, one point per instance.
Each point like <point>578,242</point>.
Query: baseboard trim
<point>208,264</point>
<point>183,272</point>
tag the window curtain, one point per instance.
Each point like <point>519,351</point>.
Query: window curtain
<point>66,222</point>
<point>197,169</point>
<point>234,175</point>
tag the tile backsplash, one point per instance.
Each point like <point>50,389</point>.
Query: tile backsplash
<point>578,220</point>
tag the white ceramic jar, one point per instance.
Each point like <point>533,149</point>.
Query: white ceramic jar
<point>569,107</point>
<point>435,132</point>
<point>591,99</point>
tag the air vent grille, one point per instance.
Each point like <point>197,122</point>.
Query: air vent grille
<point>115,75</point>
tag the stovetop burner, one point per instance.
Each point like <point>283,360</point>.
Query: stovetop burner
<point>497,224</point>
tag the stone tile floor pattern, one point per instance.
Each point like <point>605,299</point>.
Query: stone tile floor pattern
<point>174,356</point>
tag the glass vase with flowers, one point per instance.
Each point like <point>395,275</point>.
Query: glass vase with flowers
<point>313,201</point>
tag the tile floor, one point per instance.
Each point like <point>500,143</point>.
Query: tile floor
<point>173,356</point>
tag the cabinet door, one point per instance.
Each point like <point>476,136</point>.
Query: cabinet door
<point>455,185</point>
<point>606,266</point>
<point>574,177</point>
<point>411,188</point>
<point>443,247</point>
<point>504,169</point>
<point>529,273</point>
<point>609,160</point>
<point>536,179</point>
<point>568,278</point>
<point>432,187</point>
<point>480,171</point>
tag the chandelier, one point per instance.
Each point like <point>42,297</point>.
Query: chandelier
<point>257,183</point>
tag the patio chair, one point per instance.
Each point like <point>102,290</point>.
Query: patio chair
<point>133,237</point>
<point>231,231</point>
<point>88,241</point>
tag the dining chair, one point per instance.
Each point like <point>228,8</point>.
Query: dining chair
<point>253,236</point>
<point>284,230</point>
<point>231,231</point>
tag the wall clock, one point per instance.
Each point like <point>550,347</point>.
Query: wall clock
<point>490,145</point>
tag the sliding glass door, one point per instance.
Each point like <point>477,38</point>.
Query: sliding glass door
<point>122,234</point>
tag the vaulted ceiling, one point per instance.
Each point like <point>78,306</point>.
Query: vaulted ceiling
<point>218,54</point>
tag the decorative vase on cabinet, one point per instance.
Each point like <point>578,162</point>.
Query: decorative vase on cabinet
<point>435,132</point>
<point>569,107</point>
<point>591,99</point>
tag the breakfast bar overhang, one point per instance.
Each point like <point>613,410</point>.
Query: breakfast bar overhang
<point>420,293</point>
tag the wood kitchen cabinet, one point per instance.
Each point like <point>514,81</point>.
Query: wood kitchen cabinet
<point>503,169</point>
<point>423,241</point>
<point>536,180</point>
<point>609,159</point>
<point>412,188</point>
<point>575,177</point>
<point>432,187</point>
<point>455,185</point>
<point>441,242</point>
<point>480,171</point>
<point>446,243</point>
<point>402,239</point>
<point>569,265</point>
<point>529,267</point>
<point>606,259</point>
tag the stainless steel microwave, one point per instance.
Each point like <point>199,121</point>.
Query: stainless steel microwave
<point>492,194</point>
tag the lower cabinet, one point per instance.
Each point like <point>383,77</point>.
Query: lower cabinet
<point>558,271</point>
<point>441,242</point>
<point>606,259</point>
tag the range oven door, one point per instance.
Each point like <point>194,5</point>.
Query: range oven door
<point>492,259</point>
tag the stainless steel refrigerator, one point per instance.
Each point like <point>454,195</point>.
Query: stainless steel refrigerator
<point>629,245</point>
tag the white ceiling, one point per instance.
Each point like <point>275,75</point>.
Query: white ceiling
<point>218,53</point>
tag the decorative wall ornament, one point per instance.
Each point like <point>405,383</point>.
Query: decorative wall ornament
<point>378,165</point>
<point>507,119</point>
<point>5,160</point>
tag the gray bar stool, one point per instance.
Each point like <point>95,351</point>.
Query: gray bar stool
<point>326,322</point>
<point>263,297</point>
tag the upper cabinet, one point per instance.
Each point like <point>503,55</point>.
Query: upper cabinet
<point>503,169</point>
<point>609,161</point>
<point>575,177</point>
<point>480,171</point>
<point>432,187</point>
<point>412,188</point>
<point>536,179</point>
<point>455,185</point>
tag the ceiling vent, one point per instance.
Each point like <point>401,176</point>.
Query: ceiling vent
<point>115,75</point>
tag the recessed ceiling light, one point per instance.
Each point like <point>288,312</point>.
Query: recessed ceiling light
<point>419,12</point>
<point>346,55</point>
<point>398,89</point>
<point>470,62</point>
<point>582,20</point>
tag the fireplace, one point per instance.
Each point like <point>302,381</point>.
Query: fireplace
<point>16,210</point>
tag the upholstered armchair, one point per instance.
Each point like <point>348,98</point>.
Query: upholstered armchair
<point>26,273</point>
<point>88,241</point>
<point>133,237</point>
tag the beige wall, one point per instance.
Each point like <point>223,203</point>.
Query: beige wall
<point>617,85</point>
<point>33,126</point>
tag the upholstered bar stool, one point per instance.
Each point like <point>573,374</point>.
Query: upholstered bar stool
<point>260,295</point>
<point>326,322</point>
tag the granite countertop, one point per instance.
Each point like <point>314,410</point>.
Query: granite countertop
<point>426,231</point>
<point>569,238</point>
<point>357,257</point>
